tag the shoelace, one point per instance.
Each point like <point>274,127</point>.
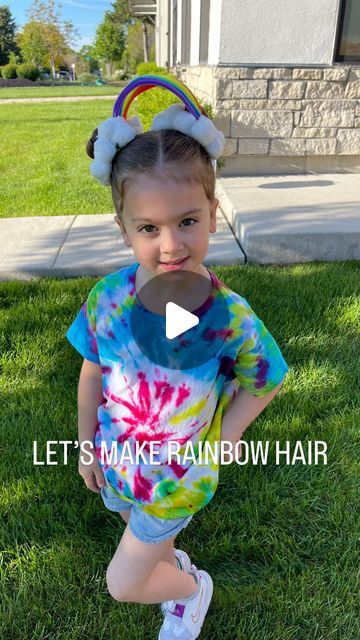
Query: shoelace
<point>168,604</point>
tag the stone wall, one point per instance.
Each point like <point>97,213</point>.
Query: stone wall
<point>283,120</point>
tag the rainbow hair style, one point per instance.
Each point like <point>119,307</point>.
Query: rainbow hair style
<point>144,83</point>
<point>188,116</point>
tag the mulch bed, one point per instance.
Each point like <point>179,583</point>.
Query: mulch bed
<point>16,82</point>
<point>22,82</point>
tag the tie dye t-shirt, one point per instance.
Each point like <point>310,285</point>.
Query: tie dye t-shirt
<point>144,402</point>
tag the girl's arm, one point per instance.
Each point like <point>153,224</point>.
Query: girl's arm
<point>90,396</point>
<point>242,412</point>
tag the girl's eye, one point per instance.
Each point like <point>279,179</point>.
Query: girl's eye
<point>147,227</point>
<point>189,220</point>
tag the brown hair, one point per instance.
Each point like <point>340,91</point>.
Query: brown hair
<point>166,153</point>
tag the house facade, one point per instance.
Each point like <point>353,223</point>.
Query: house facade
<point>282,76</point>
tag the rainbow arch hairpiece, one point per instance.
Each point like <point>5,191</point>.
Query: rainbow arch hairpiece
<point>143,83</point>
<point>189,118</point>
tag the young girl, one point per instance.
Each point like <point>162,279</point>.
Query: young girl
<point>163,189</point>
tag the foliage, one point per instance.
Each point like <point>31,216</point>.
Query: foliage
<point>33,44</point>
<point>87,54</point>
<point>55,32</point>
<point>8,71</point>
<point>7,35</point>
<point>120,12</point>
<point>14,58</point>
<point>133,53</point>
<point>135,46</point>
<point>150,102</point>
<point>86,77</point>
<point>109,41</point>
<point>112,35</point>
<point>150,68</point>
<point>120,74</point>
<point>28,71</point>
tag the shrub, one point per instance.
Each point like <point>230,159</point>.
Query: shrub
<point>149,68</point>
<point>86,77</point>
<point>28,71</point>
<point>120,74</point>
<point>9,71</point>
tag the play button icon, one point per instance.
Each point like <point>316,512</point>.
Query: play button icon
<point>178,320</point>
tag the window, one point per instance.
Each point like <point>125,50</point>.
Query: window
<point>204,31</point>
<point>348,35</point>
<point>174,33</point>
<point>186,31</point>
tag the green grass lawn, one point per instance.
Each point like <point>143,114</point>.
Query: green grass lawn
<point>281,542</point>
<point>57,92</point>
<point>44,167</point>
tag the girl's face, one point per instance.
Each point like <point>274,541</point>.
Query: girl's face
<point>166,222</point>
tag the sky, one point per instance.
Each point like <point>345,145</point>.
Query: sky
<point>86,15</point>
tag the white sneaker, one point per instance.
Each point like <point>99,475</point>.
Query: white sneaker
<point>185,619</point>
<point>185,564</point>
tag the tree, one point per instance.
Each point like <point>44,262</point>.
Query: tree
<point>120,12</point>
<point>33,44</point>
<point>110,40</point>
<point>111,34</point>
<point>135,45</point>
<point>7,35</point>
<point>56,33</point>
<point>139,33</point>
<point>88,55</point>
<point>83,60</point>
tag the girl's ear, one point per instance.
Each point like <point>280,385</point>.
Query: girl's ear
<point>214,205</point>
<point>123,230</point>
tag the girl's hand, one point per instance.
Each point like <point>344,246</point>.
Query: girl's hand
<point>92,475</point>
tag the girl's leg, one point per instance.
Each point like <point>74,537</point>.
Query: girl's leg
<point>170,554</point>
<point>139,573</point>
<point>125,515</point>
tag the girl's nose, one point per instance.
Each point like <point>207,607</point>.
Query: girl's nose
<point>170,242</point>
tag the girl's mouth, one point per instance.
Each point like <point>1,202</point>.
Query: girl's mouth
<point>172,266</point>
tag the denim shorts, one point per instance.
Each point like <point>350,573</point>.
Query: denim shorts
<point>143,526</point>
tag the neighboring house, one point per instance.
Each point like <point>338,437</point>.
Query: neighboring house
<point>283,77</point>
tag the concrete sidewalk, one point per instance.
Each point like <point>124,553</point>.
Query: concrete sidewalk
<point>263,220</point>
<point>70,246</point>
<point>294,218</point>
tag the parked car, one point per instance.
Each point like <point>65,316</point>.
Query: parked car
<point>63,75</point>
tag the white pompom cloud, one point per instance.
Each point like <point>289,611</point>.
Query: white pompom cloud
<point>117,132</point>
<point>202,128</point>
<point>113,134</point>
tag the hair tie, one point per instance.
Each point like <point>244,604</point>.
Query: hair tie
<point>189,118</point>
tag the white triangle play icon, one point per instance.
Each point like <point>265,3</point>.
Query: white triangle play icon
<point>178,320</point>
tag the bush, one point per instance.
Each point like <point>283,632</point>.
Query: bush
<point>120,74</point>
<point>28,71</point>
<point>150,68</point>
<point>9,71</point>
<point>86,77</point>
